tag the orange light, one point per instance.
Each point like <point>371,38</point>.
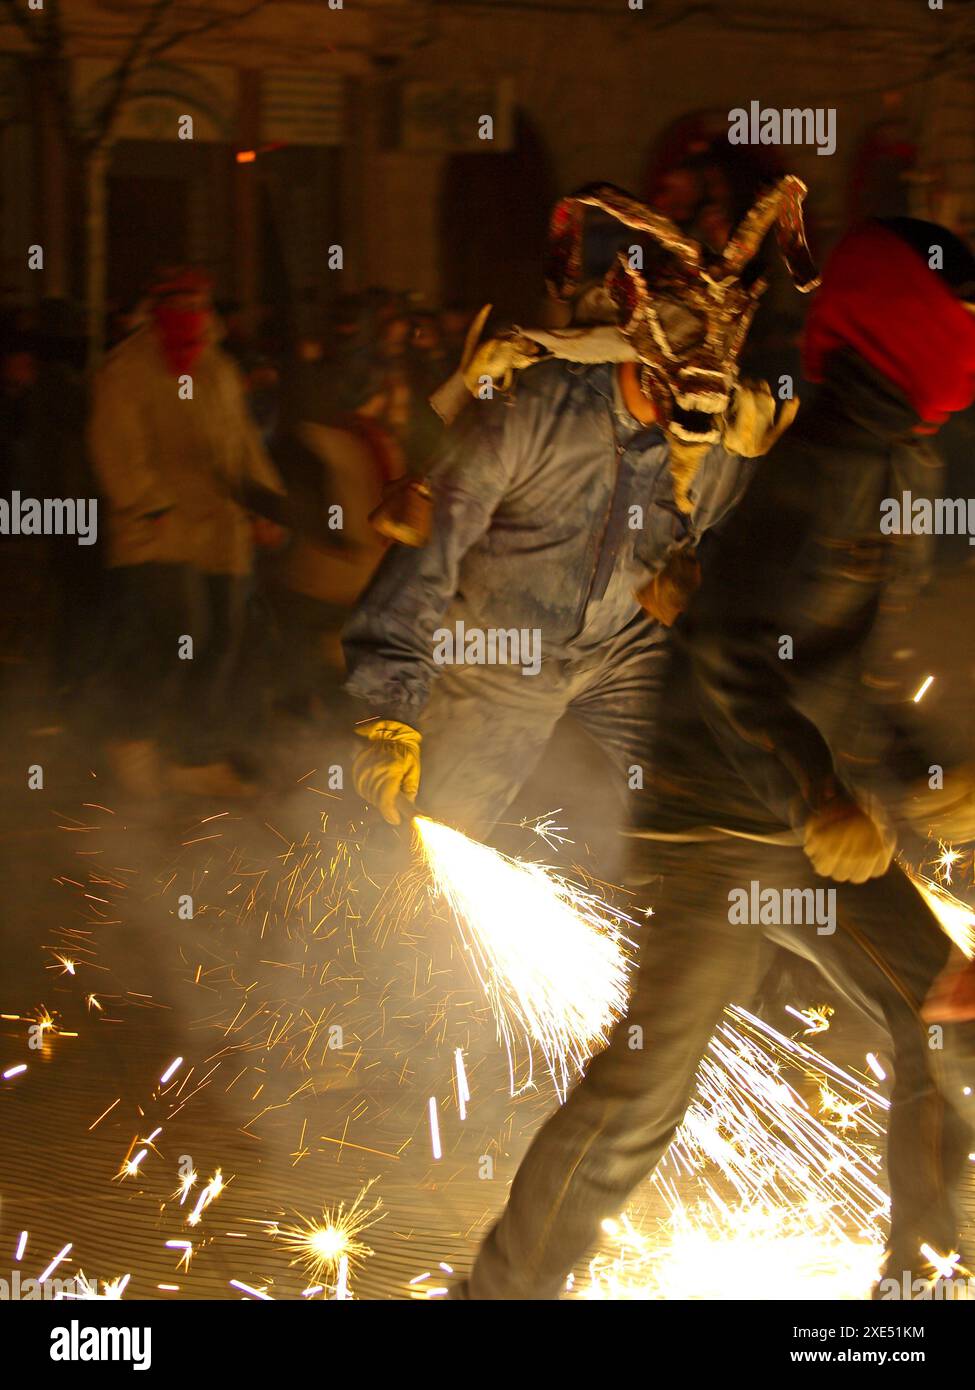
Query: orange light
<point>246,156</point>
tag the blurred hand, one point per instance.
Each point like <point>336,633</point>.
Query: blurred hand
<point>951,999</point>
<point>269,535</point>
<point>389,769</point>
<point>669,592</point>
<point>750,428</point>
<point>949,812</point>
<point>846,843</point>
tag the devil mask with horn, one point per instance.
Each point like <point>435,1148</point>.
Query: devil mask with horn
<point>687,314</point>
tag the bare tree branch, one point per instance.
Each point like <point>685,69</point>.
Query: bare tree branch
<point>127,70</point>
<point>226,17</point>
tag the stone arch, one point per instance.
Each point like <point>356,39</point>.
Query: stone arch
<point>163,91</point>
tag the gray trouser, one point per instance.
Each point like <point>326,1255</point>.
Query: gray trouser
<point>590,1155</point>
<point>486,727</point>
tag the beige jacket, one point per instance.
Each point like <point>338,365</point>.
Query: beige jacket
<point>189,459</point>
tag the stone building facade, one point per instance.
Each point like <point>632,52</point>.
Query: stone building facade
<point>318,124</point>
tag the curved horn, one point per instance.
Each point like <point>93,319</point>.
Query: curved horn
<point>632,213</point>
<point>781,206</point>
<point>566,225</point>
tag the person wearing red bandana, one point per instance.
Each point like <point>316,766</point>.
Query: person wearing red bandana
<point>186,482</point>
<point>787,765</point>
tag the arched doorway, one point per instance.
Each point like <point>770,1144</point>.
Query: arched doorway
<point>169,197</point>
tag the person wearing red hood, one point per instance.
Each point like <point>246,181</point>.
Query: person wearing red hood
<point>185,478</point>
<point>781,781</point>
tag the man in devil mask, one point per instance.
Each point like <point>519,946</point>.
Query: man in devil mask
<point>784,738</point>
<point>566,508</point>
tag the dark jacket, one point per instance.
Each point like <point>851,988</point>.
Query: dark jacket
<point>754,738</point>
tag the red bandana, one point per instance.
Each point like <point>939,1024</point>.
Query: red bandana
<point>182,335</point>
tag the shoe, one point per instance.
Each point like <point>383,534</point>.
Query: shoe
<point>137,768</point>
<point>209,779</point>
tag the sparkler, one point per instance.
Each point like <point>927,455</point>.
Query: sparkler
<point>947,859</point>
<point>331,1244</point>
<point>551,957</point>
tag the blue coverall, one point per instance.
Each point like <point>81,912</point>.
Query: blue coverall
<point>552,506</point>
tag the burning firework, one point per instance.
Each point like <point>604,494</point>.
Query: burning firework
<point>753,1252</point>
<point>757,1184</point>
<point>956,918</point>
<point>330,1244</point>
<point>551,957</point>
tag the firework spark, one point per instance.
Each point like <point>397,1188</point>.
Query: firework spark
<point>209,1194</point>
<point>762,1193</point>
<point>87,1289</point>
<point>330,1244</point>
<point>956,918</point>
<point>551,957</point>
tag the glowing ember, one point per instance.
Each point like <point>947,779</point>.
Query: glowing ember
<point>330,1244</point>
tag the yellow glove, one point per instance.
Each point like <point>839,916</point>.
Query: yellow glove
<point>750,428</point>
<point>389,768</point>
<point>499,359</point>
<point>846,843</point>
<point>669,592</point>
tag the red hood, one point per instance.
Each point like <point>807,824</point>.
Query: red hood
<point>881,300</point>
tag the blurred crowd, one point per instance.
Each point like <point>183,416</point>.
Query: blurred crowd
<point>254,543</point>
<point>238,515</point>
